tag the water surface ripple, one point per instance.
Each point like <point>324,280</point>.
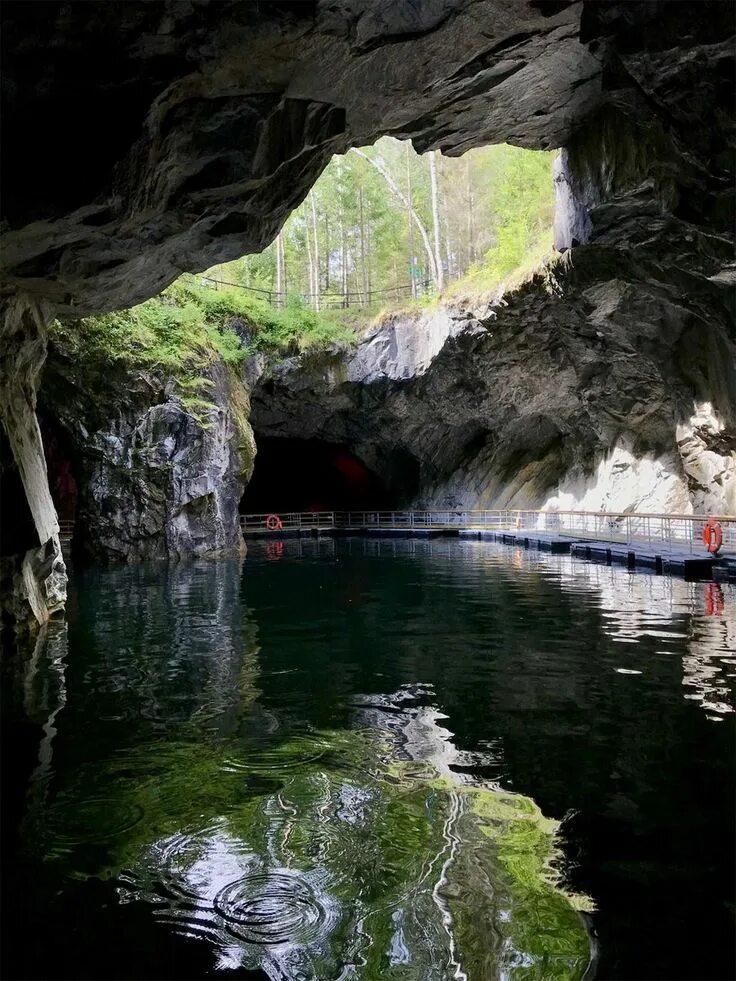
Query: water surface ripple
<point>374,759</point>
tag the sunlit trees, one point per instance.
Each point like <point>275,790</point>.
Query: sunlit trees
<point>384,224</point>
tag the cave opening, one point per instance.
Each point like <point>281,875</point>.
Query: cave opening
<point>316,475</point>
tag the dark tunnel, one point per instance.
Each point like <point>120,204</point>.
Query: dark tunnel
<point>314,475</point>
<point>60,467</point>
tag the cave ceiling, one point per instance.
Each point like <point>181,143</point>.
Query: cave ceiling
<point>145,139</point>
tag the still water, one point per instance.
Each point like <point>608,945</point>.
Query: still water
<point>374,759</point>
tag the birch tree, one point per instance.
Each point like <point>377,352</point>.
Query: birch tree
<point>404,200</point>
<point>436,219</point>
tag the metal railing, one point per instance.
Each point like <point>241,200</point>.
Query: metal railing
<point>66,530</point>
<point>667,531</point>
<point>290,520</point>
<point>329,300</point>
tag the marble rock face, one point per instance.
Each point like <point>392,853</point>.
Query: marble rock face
<point>155,478</point>
<point>566,393</point>
<point>183,134</point>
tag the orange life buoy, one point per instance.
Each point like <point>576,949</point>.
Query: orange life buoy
<point>273,522</point>
<point>712,536</point>
<point>714,599</point>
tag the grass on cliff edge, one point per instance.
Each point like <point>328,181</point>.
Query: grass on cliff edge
<point>189,326</point>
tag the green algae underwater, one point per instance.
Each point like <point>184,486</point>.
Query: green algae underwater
<point>329,854</point>
<point>343,759</point>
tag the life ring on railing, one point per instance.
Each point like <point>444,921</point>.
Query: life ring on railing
<point>273,522</point>
<point>712,536</point>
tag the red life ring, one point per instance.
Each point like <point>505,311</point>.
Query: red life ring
<point>273,522</point>
<point>714,600</point>
<point>712,536</point>
<point>274,550</point>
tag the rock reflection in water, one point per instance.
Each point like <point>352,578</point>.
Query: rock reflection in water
<point>304,767</point>
<point>367,858</point>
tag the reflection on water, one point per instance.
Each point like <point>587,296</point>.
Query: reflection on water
<point>350,759</point>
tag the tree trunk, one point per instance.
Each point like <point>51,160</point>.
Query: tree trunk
<point>328,254</point>
<point>362,247</point>
<point>343,244</point>
<point>410,211</point>
<point>310,272</point>
<point>471,217</point>
<point>316,252</point>
<point>450,263</point>
<point>436,219</point>
<point>399,194</point>
<point>279,280</point>
<point>343,261</point>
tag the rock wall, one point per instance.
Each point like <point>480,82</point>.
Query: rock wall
<point>189,152</point>
<point>155,479</point>
<point>32,571</point>
<point>586,388</point>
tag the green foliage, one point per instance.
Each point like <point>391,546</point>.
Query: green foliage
<point>351,235</point>
<point>177,332</point>
<point>189,327</point>
<point>294,327</point>
<point>495,216</point>
<point>523,210</point>
<point>155,813</point>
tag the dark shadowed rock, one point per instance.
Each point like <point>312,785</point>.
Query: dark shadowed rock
<point>143,139</point>
<point>582,389</point>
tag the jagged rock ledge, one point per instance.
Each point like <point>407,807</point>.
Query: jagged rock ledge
<point>585,388</point>
<point>154,478</point>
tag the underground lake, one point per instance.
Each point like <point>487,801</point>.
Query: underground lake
<point>368,490</point>
<point>373,758</point>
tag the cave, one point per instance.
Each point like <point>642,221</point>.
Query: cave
<point>214,152</point>
<point>248,757</point>
<point>316,475</point>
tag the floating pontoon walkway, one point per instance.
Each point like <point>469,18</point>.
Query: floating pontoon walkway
<point>669,544</point>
